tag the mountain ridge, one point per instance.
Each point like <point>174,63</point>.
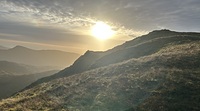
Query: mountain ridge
<point>152,82</point>
<point>84,64</point>
<point>15,77</point>
<point>23,47</point>
<point>24,55</point>
<point>19,47</point>
<point>13,68</point>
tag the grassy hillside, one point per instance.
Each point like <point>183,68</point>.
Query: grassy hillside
<point>166,80</point>
<point>136,48</point>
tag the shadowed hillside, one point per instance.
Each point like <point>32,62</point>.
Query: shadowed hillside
<point>165,78</point>
<point>15,77</point>
<point>10,84</point>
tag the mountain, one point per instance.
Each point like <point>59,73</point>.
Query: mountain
<point>10,84</point>
<point>11,68</point>
<point>15,77</point>
<point>139,47</point>
<point>53,58</point>
<point>156,72</point>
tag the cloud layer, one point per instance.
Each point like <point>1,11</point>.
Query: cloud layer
<point>53,20</point>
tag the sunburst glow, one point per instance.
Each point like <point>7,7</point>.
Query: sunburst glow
<point>102,31</point>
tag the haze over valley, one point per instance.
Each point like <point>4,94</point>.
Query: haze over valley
<point>53,58</point>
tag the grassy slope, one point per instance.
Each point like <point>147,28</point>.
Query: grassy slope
<point>166,80</point>
<point>139,47</point>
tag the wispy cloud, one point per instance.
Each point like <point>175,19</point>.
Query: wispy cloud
<point>60,12</point>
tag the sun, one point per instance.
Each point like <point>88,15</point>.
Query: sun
<point>102,31</point>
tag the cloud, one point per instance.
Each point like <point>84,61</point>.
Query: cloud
<point>65,13</point>
<point>61,20</point>
<point>19,31</point>
<point>132,14</point>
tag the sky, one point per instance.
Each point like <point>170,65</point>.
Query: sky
<point>66,24</point>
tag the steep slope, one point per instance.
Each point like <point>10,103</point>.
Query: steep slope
<point>142,49</point>
<point>139,47</point>
<point>25,55</point>
<point>166,80</point>
<point>10,84</point>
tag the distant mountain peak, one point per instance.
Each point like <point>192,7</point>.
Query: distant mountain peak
<point>20,47</point>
